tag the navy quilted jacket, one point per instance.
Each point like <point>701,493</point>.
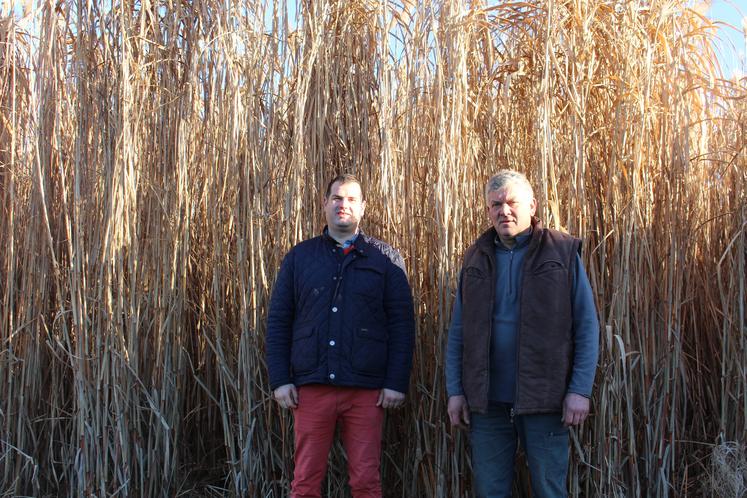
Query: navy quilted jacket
<point>341,320</point>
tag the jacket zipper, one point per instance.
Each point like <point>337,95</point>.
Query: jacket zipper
<point>337,284</point>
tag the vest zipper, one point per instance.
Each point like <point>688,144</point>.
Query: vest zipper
<point>527,257</point>
<point>486,372</point>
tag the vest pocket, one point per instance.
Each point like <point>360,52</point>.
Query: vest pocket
<point>549,265</point>
<point>473,272</point>
<point>370,351</point>
<point>304,350</point>
<point>550,293</point>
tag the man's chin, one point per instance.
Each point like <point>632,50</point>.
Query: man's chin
<point>343,225</point>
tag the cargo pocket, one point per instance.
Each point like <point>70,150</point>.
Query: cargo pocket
<point>370,351</point>
<point>304,351</point>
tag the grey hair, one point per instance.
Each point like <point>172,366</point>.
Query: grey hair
<point>505,177</point>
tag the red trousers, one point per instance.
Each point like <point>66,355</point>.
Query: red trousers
<point>320,408</point>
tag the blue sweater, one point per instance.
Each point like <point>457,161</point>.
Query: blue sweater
<point>505,327</point>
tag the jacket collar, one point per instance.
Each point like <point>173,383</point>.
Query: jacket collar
<point>360,245</point>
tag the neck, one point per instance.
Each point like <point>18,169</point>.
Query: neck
<point>508,242</point>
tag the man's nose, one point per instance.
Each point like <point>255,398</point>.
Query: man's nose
<point>504,209</point>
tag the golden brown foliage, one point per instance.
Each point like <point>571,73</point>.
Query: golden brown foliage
<point>158,159</point>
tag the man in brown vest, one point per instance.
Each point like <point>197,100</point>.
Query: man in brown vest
<point>523,344</point>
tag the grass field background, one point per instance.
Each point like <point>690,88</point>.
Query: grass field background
<point>157,160</point>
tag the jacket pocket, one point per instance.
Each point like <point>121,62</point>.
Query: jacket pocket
<point>304,350</point>
<point>368,280</point>
<point>370,351</point>
<point>368,293</point>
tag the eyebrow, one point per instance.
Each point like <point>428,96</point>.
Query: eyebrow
<point>507,201</point>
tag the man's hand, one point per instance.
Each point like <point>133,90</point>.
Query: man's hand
<point>575,409</point>
<point>286,396</point>
<point>458,411</point>
<point>390,399</point>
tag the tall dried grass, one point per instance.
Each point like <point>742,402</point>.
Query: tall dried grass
<point>157,159</point>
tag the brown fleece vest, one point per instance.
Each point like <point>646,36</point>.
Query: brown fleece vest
<point>545,336</point>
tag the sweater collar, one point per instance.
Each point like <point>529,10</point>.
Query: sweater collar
<point>521,240</point>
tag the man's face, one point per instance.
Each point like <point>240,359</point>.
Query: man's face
<point>511,208</point>
<point>344,207</point>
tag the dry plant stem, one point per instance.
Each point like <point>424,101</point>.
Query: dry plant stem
<point>157,160</point>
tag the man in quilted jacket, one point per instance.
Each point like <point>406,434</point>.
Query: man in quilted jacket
<point>340,333</point>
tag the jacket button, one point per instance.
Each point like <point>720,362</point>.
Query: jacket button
<point>332,376</point>
<point>332,342</point>
<point>334,309</point>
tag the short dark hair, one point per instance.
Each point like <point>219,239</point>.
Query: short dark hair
<point>342,179</point>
